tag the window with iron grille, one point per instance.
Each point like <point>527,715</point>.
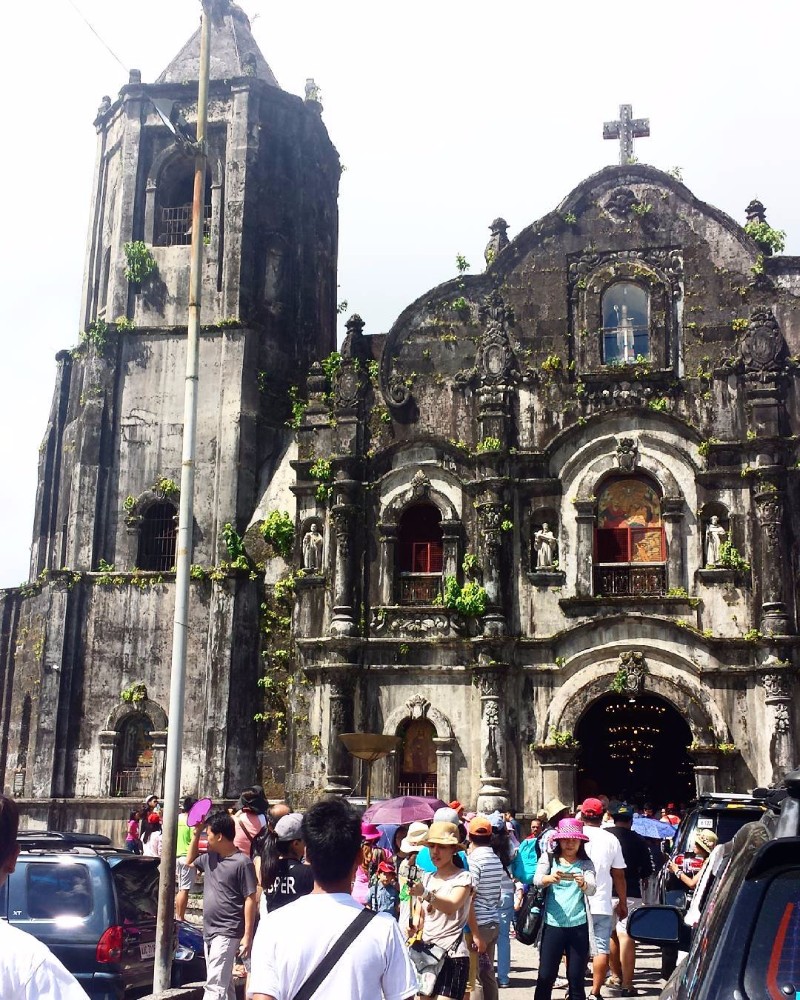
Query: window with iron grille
<point>420,554</point>
<point>174,198</point>
<point>157,538</point>
<point>630,551</point>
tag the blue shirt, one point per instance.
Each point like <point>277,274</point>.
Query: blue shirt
<point>424,860</point>
<point>565,905</point>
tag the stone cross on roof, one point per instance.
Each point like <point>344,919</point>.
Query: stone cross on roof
<point>626,130</point>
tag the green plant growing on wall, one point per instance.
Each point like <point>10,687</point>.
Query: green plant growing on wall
<point>299,407</point>
<point>562,738</point>
<point>331,364</point>
<point>166,487</point>
<point>731,558</point>
<point>96,335</point>
<point>552,364</point>
<point>739,324</point>
<point>235,546</point>
<point>134,694</point>
<point>123,323</point>
<point>470,564</point>
<point>322,471</point>
<point>570,218</point>
<point>278,529</point>
<point>659,405</point>
<point>141,262</point>
<point>129,503</point>
<point>762,232</point>
<point>641,208</point>
<point>470,600</point>
<point>488,444</point>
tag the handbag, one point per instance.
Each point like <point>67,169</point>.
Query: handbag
<point>428,959</point>
<point>530,915</point>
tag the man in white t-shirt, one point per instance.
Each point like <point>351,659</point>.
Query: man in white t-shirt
<point>292,942</point>
<point>605,853</point>
<point>28,969</point>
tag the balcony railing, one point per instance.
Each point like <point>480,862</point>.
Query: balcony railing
<point>176,225</point>
<point>420,588</point>
<point>132,782</point>
<point>417,784</point>
<point>630,580</point>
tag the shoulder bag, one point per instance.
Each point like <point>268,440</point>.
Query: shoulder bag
<point>315,980</point>
<point>428,959</point>
<point>528,921</point>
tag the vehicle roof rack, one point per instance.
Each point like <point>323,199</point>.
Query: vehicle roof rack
<point>57,840</point>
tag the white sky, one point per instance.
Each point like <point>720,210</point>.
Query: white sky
<point>445,115</point>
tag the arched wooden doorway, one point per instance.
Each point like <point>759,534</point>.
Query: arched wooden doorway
<point>634,750</point>
<point>417,773</point>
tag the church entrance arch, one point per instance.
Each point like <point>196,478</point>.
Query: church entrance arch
<point>634,750</point>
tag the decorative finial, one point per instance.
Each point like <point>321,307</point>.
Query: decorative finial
<point>498,240</point>
<point>313,93</point>
<point>626,130</point>
<point>755,211</point>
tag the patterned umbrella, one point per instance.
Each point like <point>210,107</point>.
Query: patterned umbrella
<point>404,809</point>
<point>648,827</point>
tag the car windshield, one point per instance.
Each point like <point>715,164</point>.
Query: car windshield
<point>137,890</point>
<point>728,823</point>
<point>773,966</point>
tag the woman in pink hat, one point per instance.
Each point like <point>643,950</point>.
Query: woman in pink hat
<point>568,875</point>
<point>371,857</point>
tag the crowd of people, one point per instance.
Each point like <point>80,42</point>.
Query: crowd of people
<point>445,892</point>
<point>326,904</point>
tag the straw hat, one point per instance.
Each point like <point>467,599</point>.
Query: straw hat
<point>706,839</point>
<point>445,834</point>
<point>554,807</point>
<point>415,837</point>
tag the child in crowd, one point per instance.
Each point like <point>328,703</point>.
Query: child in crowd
<point>384,896</point>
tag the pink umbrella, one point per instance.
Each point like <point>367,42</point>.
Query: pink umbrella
<point>404,809</point>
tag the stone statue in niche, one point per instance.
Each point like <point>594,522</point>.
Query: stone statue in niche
<point>545,543</point>
<point>312,549</point>
<point>715,536</point>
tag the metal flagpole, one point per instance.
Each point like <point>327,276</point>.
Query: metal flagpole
<point>172,777</point>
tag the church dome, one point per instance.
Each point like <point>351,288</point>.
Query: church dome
<point>234,52</point>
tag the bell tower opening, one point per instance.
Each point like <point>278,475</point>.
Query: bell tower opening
<point>634,751</point>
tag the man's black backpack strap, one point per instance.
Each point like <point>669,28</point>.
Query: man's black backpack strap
<point>315,980</point>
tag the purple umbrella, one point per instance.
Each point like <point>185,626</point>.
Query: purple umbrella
<point>404,809</point>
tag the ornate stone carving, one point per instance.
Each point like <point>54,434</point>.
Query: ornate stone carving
<point>489,683</point>
<point>782,718</point>
<point>763,347</point>
<point>627,453</point>
<point>620,204</point>
<point>398,393</point>
<point>495,367</point>
<point>312,549</point>
<point>408,623</point>
<point>347,386</point>
<point>633,663</point>
<point>355,345</point>
<point>776,686</point>
<point>317,382</point>
<point>668,261</point>
<point>498,240</point>
<point>420,485</point>
<point>491,714</point>
<point>417,706</point>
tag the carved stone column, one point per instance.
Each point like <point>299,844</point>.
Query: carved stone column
<point>493,793</point>
<point>778,699</point>
<point>769,510</point>
<point>343,621</point>
<point>451,536</point>
<point>490,518</point>
<point>340,720</point>
<point>108,745</point>
<point>159,739</point>
<point>673,512</point>
<point>584,515</point>
<point>388,542</point>
<point>444,767</point>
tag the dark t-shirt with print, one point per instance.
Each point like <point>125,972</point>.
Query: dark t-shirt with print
<point>227,882</point>
<point>294,879</point>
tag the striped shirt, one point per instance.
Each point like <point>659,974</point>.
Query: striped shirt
<point>487,876</point>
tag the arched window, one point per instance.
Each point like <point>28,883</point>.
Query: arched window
<point>174,204</point>
<point>133,765</point>
<point>630,556</point>
<point>418,762</point>
<point>420,554</point>
<point>157,538</point>
<point>626,323</point>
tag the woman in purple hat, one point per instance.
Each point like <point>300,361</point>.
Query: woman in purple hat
<point>568,875</point>
<point>371,857</point>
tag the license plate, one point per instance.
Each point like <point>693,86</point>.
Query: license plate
<point>705,823</point>
<point>148,950</point>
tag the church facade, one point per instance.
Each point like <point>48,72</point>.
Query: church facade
<point>544,531</point>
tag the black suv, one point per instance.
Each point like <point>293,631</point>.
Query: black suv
<point>747,941</point>
<point>721,812</point>
<point>94,906</point>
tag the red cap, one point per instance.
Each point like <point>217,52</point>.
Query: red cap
<point>593,808</point>
<point>387,867</point>
<point>153,818</point>
<point>455,804</point>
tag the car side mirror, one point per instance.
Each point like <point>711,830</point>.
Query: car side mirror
<point>676,898</point>
<point>666,845</point>
<point>659,925</point>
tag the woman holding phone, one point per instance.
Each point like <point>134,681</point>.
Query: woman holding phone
<point>566,928</point>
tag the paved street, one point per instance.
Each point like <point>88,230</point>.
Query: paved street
<point>523,974</point>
